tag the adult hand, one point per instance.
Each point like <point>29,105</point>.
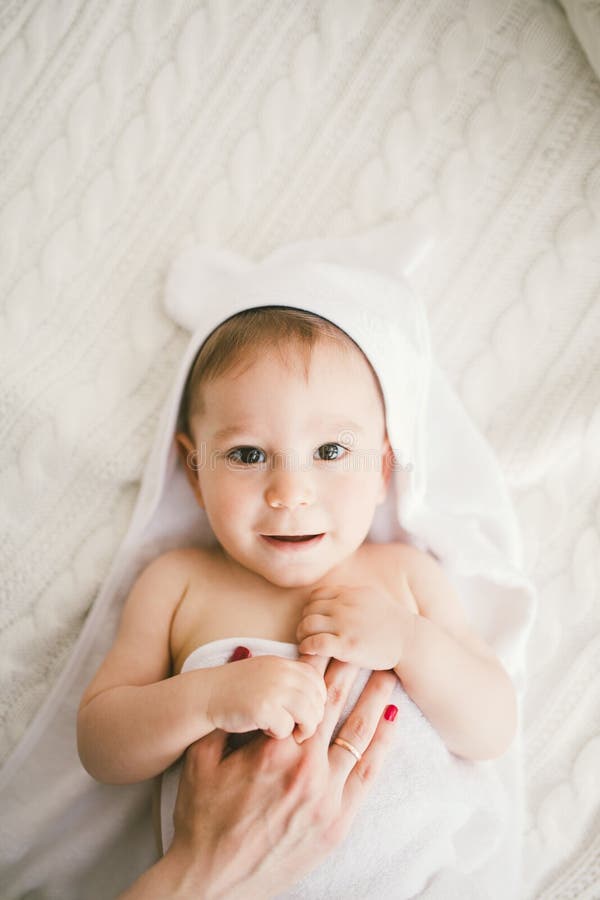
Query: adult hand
<point>261,817</point>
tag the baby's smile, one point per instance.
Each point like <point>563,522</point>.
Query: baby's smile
<point>291,542</point>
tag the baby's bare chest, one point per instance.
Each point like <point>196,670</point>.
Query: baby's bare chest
<point>221,603</point>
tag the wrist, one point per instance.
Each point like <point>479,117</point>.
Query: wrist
<point>195,689</point>
<point>214,695</point>
<point>188,876</point>
<point>223,696</point>
<point>177,876</point>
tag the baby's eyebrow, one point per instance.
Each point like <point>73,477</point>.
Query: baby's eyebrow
<point>342,428</point>
<point>229,431</point>
<point>336,429</point>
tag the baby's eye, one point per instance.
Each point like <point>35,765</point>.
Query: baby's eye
<point>248,456</point>
<point>330,451</point>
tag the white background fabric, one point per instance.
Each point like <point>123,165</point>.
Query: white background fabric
<point>129,129</point>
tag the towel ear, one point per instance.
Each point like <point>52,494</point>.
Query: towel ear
<point>394,248</point>
<point>198,278</point>
<point>203,275</point>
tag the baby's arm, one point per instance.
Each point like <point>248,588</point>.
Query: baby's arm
<point>134,720</point>
<point>450,671</point>
<point>444,666</point>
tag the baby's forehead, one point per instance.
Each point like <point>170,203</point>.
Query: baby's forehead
<point>290,352</point>
<point>325,359</point>
<point>330,375</point>
<point>265,377</point>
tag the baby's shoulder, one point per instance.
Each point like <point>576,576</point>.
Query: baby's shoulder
<point>157,589</point>
<point>167,575</point>
<point>396,555</point>
<point>397,560</point>
<point>182,563</point>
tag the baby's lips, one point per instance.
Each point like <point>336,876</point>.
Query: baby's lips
<point>239,653</point>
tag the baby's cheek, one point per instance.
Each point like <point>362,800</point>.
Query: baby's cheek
<point>229,504</point>
<point>357,510</point>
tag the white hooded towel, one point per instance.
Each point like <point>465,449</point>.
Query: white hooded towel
<point>440,827</point>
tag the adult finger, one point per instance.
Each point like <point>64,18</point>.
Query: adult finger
<point>339,678</point>
<point>201,764</point>
<point>363,774</point>
<point>205,754</point>
<point>357,733</point>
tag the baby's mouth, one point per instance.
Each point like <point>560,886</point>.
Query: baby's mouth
<point>293,543</point>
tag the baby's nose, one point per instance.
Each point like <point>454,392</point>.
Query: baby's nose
<point>289,490</point>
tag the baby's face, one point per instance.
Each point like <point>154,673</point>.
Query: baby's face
<point>280,457</point>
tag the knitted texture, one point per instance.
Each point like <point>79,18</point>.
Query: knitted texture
<point>129,130</point>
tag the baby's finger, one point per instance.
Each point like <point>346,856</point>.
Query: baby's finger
<point>321,644</point>
<point>327,590</point>
<point>314,624</point>
<point>307,714</point>
<point>312,680</point>
<point>281,724</point>
<point>319,663</point>
<point>323,606</point>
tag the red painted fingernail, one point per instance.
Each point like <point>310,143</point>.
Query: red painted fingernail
<point>390,712</point>
<point>240,653</point>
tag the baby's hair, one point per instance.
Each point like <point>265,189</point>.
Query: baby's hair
<point>238,339</point>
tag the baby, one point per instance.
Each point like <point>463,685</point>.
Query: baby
<point>282,433</point>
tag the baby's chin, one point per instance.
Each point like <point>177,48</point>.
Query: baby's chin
<point>293,580</point>
<point>290,576</point>
<point>296,571</point>
<point>303,576</point>
<point>295,574</point>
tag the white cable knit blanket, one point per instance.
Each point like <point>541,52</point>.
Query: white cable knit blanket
<point>128,129</point>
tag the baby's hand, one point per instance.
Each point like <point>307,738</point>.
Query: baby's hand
<point>269,693</point>
<point>360,625</point>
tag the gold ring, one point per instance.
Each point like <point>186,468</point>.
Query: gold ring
<point>348,746</point>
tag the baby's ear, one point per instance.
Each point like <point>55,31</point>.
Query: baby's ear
<point>190,459</point>
<point>387,465</point>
